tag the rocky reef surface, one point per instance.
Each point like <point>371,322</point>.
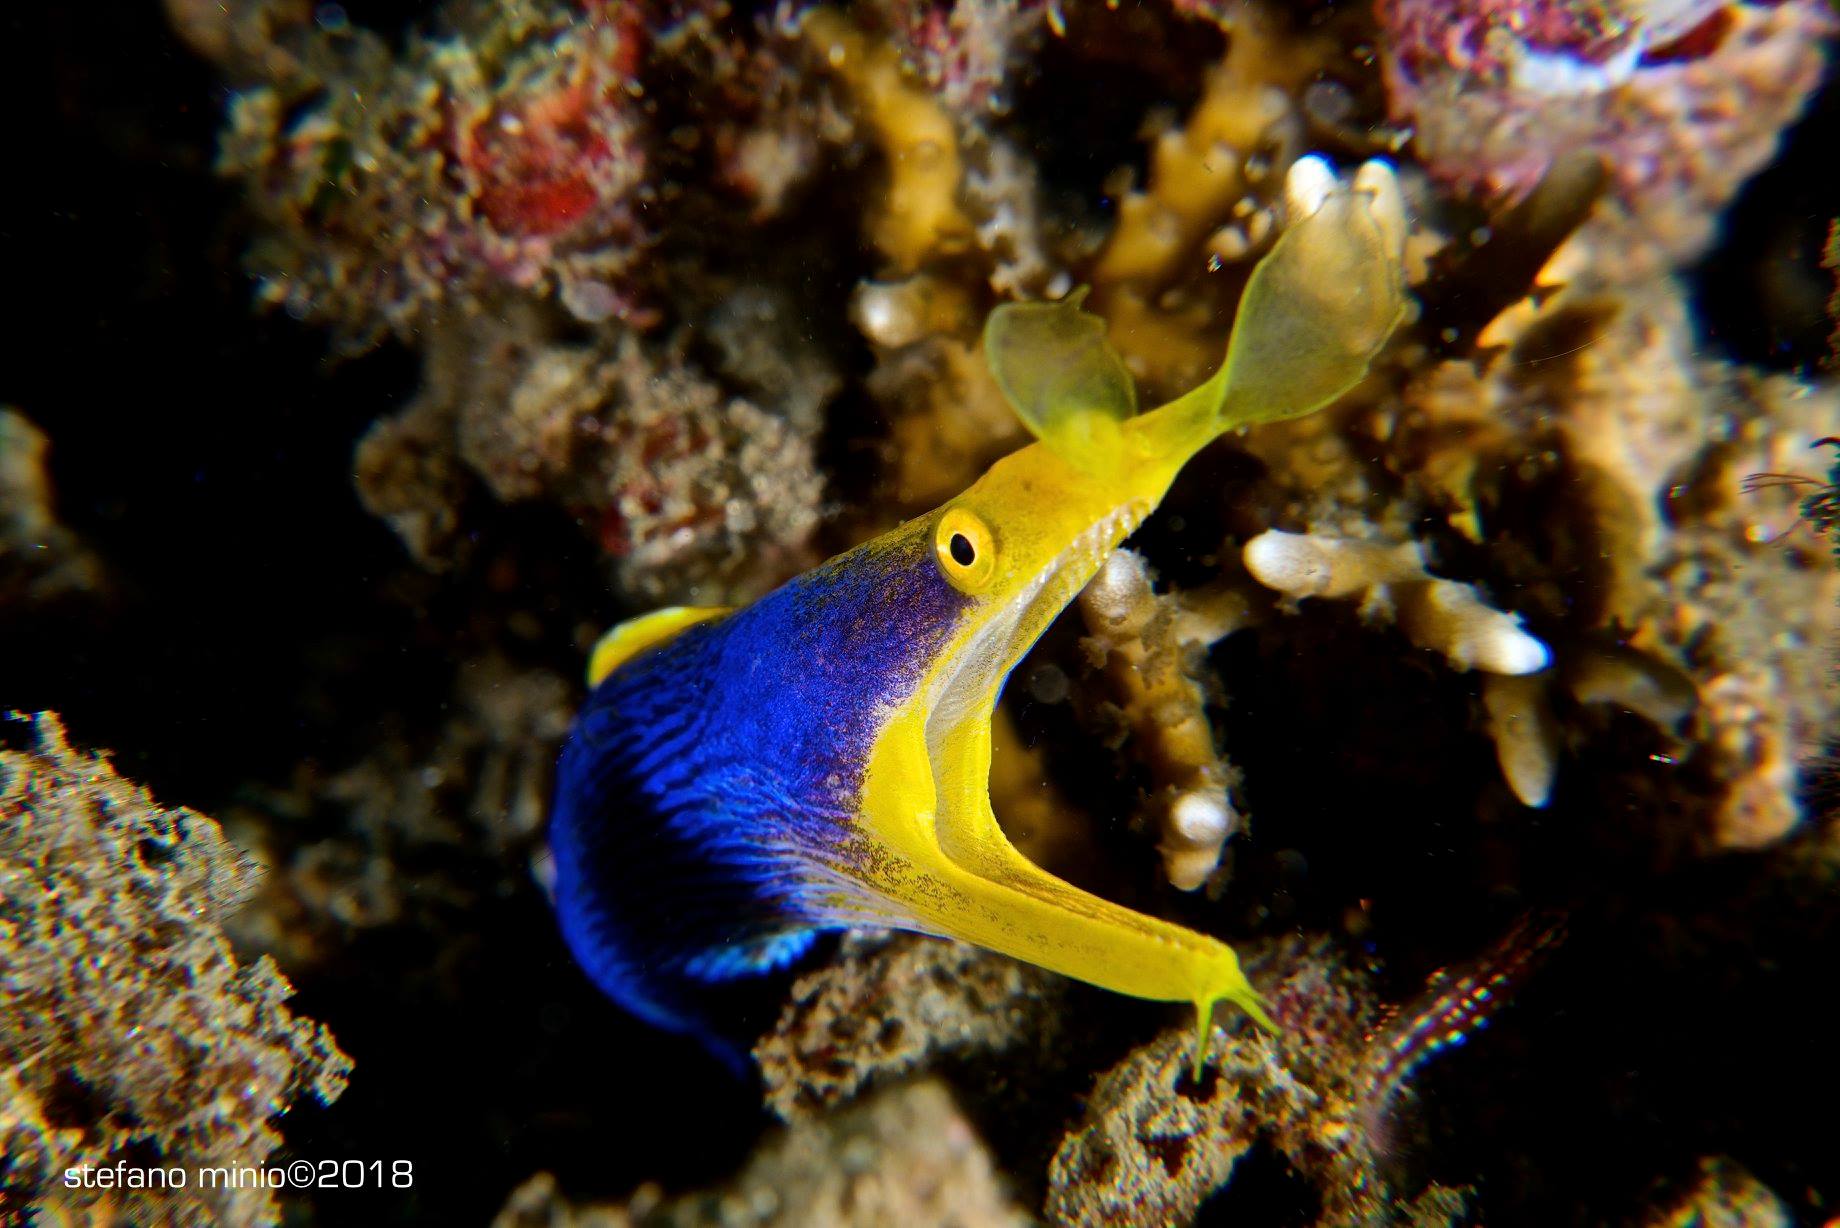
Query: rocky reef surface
<point>381,355</point>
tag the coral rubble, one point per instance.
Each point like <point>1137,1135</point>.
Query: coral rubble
<point>693,494</point>
<point>429,826</point>
<point>128,1029</point>
<point>905,1156</point>
<point>1155,1141</point>
<point>40,559</point>
<point>888,1007</point>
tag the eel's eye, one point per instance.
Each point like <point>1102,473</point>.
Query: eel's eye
<point>966,550</point>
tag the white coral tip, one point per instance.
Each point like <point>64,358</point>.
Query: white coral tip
<point>1307,186</point>
<point>1506,649</point>
<point>1201,818</point>
<point>1119,582</point>
<point>1292,563</point>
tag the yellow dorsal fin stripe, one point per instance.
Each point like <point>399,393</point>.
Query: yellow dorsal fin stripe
<point>632,637</point>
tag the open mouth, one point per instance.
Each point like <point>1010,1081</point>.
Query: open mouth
<point>971,686</point>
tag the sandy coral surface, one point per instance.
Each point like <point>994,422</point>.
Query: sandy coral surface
<point>128,1028</point>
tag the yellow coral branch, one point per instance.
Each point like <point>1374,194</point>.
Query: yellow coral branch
<point>1146,642</point>
<point>918,216</point>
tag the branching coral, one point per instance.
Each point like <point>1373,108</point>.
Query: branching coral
<point>888,1007</point>
<point>919,217</point>
<point>1525,732</point>
<point>508,154</point>
<point>1147,647</point>
<point>1599,465</point>
<point>128,1029</point>
<point>1392,583</point>
<point>904,1157</point>
<point>1213,189</point>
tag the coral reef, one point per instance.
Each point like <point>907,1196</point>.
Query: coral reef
<point>903,1157</point>
<point>889,1006</point>
<point>508,153</point>
<point>41,561</point>
<point>1684,102</point>
<point>426,827</point>
<point>128,1029</point>
<point>1723,1195</point>
<point>696,289</point>
<point>1147,645</point>
<point>1155,1141</point>
<point>1392,584</point>
<point>694,495</point>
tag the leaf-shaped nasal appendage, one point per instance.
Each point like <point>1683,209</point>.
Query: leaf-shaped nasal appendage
<point>1322,302</point>
<point>1063,379</point>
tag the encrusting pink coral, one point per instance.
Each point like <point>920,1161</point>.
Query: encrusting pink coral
<point>509,155</point>
<point>1684,101</point>
<point>963,49</point>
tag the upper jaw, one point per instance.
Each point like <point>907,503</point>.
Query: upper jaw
<point>971,685</point>
<point>1061,581</point>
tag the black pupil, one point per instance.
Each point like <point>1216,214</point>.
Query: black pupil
<point>962,553</point>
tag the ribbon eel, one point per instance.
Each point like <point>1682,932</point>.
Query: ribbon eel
<point>739,780</point>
